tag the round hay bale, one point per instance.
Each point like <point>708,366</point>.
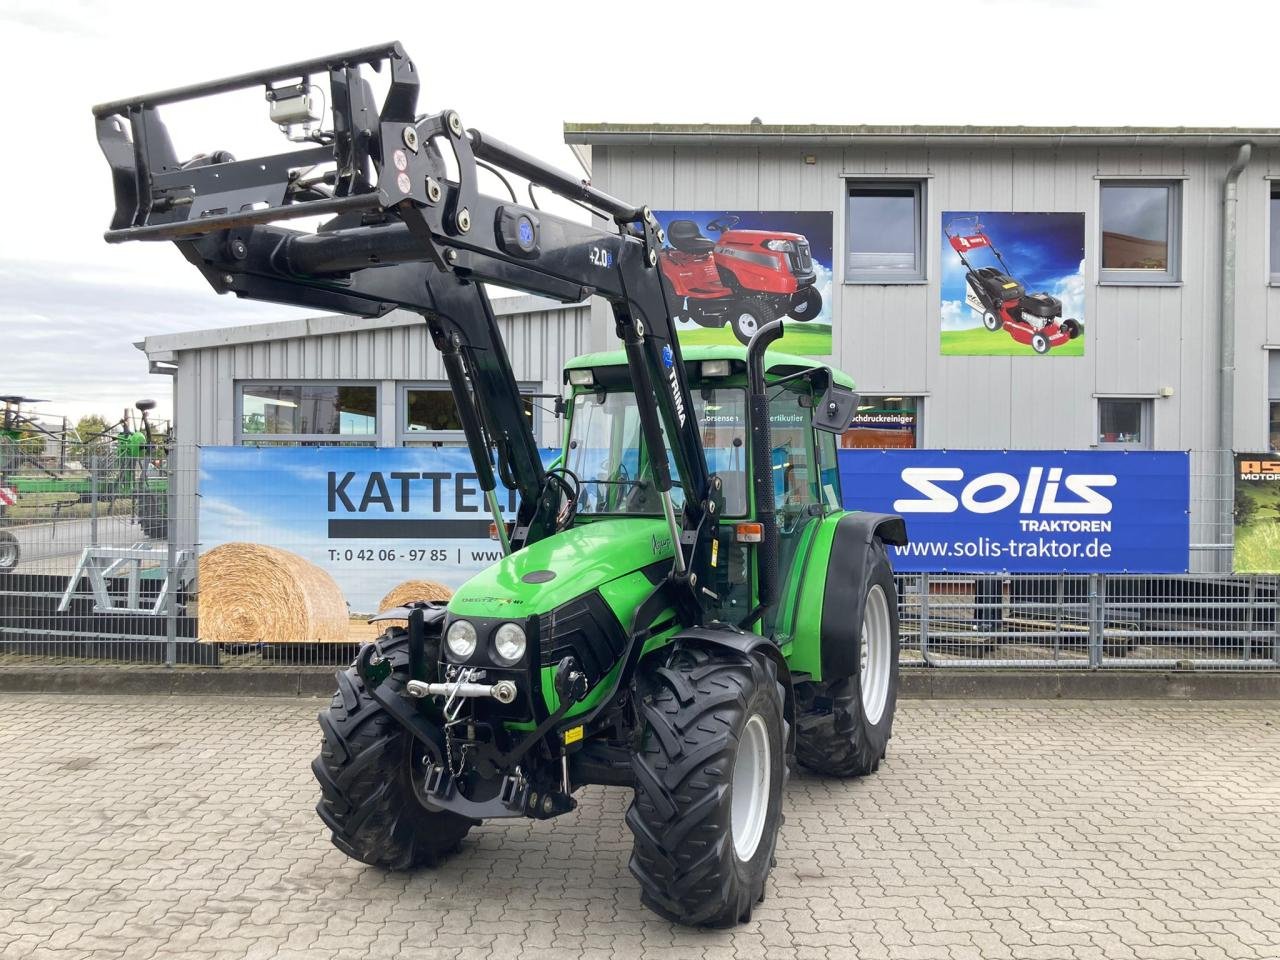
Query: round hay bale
<point>409,591</point>
<point>251,593</point>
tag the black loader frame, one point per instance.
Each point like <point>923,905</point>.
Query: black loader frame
<point>403,234</point>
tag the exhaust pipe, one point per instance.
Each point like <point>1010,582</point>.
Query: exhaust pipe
<point>762,470</point>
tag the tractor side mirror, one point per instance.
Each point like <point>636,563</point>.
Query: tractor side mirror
<point>834,411</point>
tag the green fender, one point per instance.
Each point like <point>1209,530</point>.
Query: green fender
<point>830,595</point>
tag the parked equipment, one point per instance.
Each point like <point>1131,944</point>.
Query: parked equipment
<point>682,605</point>
<point>1033,319</point>
<point>747,278</point>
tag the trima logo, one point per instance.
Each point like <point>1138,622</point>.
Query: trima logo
<point>669,361</point>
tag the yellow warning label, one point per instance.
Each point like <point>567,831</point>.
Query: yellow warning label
<point>1009,286</point>
<point>573,735</point>
<point>715,551</point>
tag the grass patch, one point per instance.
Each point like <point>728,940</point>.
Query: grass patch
<point>1257,540</point>
<point>981,342</point>
<point>808,339</point>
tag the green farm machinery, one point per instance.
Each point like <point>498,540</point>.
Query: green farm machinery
<point>682,608</point>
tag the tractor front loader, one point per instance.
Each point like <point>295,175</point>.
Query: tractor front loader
<point>682,606</point>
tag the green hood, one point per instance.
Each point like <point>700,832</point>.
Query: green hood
<point>582,559</point>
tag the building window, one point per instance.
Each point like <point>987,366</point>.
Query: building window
<point>275,413</point>
<point>1124,422</point>
<point>428,415</point>
<point>1273,401</point>
<point>1140,231</point>
<point>1275,231</point>
<point>885,231</point>
<point>884,422</point>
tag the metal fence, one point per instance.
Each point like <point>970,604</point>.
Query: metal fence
<point>107,572</point>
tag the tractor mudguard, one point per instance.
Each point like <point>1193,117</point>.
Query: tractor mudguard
<point>847,568</point>
<point>729,637</point>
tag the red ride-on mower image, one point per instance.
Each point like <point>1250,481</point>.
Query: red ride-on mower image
<point>1034,319</point>
<point>746,277</point>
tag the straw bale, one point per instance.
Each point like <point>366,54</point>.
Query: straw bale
<point>251,593</point>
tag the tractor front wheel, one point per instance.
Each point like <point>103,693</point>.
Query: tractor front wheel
<point>10,551</point>
<point>709,776</point>
<point>365,769</point>
<point>844,725</point>
<point>806,304</point>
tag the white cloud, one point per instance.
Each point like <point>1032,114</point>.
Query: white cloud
<point>957,315</point>
<point>1070,290</point>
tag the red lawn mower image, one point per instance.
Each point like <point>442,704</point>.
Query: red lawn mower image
<point>746,277</point>
<point>1034,319</point>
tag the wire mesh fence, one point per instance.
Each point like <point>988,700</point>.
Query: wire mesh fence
<point>101,551</point>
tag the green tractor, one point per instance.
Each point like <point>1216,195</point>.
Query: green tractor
<point>682,608</point>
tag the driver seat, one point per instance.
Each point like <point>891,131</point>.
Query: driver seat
<point>687,238</point>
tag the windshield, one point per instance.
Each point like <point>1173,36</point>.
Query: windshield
<point>607,455</point>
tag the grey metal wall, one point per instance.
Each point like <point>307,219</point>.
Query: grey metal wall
<point>1139,339</point>
<point>205,378</point>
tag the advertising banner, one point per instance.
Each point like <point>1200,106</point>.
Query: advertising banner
<point>1257,513</point>
<point>372,518</point>
<point>988,511</point>
<point>1012,284</point>
<point>733,271</point>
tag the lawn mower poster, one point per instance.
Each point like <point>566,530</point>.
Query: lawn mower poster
<point>1012,284</point>
<point>1256,516</point>
<point>733,271</point>
<point>1023,511</point>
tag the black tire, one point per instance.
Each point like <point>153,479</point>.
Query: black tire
<point>1039,343</point>
<point>364,769</point>
<point>1072,328</point>
<point>748,316</point>
<point>806,304</point>
<point>696,711</point>
<point>153,515</point>
<point>835,735</point>
<point>10,552</point>
<point>991,321</point>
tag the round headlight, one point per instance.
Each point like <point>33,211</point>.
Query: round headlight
<point>461,639</point>
<point>508,642</point>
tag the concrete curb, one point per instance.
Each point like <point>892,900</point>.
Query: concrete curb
<point>915,683</point>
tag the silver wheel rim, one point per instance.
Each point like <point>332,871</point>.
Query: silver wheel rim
<point>876,654</point>
<point>990,320</point>
<point>747,323</point>
<point>8,553</point>
<point>749,803</point>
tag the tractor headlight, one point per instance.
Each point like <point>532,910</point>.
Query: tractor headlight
<point>509,643</point>
<point>461,639</point>
<point>780,246</point>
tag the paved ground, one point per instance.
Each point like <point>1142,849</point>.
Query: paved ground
<point>55,548</point>
<point>182,827</point>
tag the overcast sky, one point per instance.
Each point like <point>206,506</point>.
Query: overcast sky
<point>70,306</point>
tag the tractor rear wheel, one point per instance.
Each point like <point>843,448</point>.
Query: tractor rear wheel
<point>709,776</point>
<point>365,769</point>
<point>846,729</point>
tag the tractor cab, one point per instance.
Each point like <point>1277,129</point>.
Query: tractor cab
<point>605,454</point>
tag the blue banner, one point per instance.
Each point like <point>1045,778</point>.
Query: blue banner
<point>990,511</point>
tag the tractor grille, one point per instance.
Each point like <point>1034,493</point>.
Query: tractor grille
<point>802,259</point>
<point>584,628</point>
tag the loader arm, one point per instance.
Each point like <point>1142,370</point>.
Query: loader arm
<point>403,232</point>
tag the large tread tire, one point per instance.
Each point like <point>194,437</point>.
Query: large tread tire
<point>694,711</point>
<point>839,739</point>
<point>364,767</point>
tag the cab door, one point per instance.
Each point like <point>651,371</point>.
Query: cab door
<point>797,492</point>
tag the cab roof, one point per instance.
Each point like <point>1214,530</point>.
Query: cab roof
<point>775,361</point>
